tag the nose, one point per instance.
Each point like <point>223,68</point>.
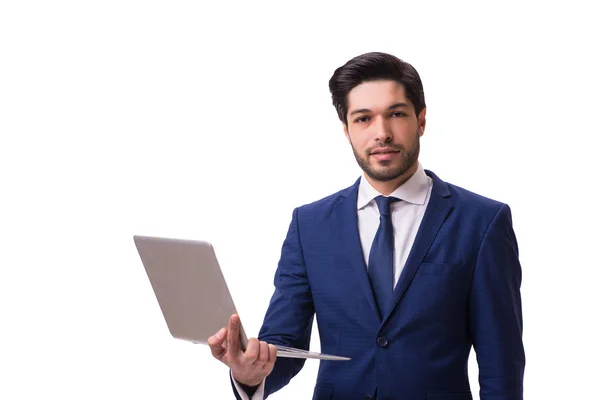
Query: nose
<point>383,133</point>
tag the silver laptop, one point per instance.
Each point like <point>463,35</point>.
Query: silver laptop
<point>192,293</point>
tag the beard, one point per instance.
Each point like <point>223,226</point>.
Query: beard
<point>382,171</point>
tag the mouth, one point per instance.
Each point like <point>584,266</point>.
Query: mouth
<point>384,153</point>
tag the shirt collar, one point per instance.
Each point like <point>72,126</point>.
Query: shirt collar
<point>414,190</point>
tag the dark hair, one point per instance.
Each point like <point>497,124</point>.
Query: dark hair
<point>373,67</point>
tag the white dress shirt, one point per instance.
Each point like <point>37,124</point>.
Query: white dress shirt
<point>406,215</point>
<point>406,219</point>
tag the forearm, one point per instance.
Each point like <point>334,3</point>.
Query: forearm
<point>495,312</point>
<point>282,326</point>
<point>289,318</point>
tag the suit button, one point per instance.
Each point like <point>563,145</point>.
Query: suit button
<point>382,342</point>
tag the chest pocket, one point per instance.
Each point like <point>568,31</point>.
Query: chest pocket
<point>440,269</point>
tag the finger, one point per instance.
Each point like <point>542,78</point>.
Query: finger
<point>233,336</point>
<point>263,354</point>
<point>269,365</point>
<point>252,351</point>
<point>215,343</point>
<point>272,354</point>
<point>218,338</point>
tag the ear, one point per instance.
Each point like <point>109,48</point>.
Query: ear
<point>346,132</point>
<point>422,121</point>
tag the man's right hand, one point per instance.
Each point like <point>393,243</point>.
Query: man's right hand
<point>248,367</point>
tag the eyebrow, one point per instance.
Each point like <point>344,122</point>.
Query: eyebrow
<point>393,106</point>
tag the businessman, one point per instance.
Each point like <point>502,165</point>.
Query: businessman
<point>404,272</point>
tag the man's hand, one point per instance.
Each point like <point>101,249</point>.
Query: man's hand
<point>249,367</point>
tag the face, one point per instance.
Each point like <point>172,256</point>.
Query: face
<point>384,130</point>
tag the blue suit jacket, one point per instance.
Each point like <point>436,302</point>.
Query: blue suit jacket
<point>460,287</point>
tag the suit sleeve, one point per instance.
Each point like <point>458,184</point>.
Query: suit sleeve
<point>289,317</point>
<point>496,320</point>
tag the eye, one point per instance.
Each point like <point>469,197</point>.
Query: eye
<point>397,114</point>
<point>362,119</point>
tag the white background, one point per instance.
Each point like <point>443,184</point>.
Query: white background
<point>209,121</point>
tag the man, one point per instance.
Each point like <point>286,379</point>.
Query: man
<point>404,271</point>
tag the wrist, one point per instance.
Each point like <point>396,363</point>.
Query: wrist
<point>247,383</point>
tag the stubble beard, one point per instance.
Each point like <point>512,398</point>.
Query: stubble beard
<point>407,159</point>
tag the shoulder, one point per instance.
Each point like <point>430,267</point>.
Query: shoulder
<point>463,197</point>
<point>469,206</point>
<point>329,203</point>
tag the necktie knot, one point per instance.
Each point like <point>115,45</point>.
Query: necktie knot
<point>384,203</point>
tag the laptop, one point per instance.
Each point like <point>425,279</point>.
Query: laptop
<point>192,292</point>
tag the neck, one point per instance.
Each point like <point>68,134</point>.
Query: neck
<point>387,187</point>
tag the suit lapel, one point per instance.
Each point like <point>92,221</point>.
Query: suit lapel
<point>348,219</point>
<point>437,209</point>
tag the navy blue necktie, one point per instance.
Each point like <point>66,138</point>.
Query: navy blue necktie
<point>381,257</point>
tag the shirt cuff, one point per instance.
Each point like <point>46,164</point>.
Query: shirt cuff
<point>258,395</point>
